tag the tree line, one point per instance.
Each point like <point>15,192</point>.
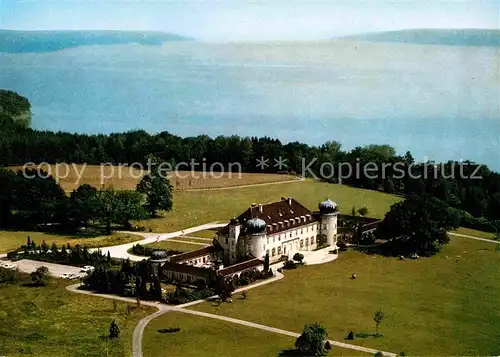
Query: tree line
<point>29,201</point>
<point>479,199</point>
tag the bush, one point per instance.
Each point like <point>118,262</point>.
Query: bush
<point>480,224</point>
<point>298,257</point>
<point>350,336</point>
<point>40,276</point>
<point>289,264</point>
<point>114,330</point>
<point>9,276</point>
<point>12,255</point>
<point>328,346</point>
<point>169,330</point>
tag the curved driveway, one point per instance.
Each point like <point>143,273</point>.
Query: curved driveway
<point>120,251</point>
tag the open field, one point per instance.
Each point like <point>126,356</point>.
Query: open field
<point>53,322</point>
<point>182,247</point>
<point>194,239</point>
<point>443,305</point>
<point>10,240</point>
<point>204,336</point>
<point>194,208</point>
<point>126,178</point>
<point>474,233</point>
<point>209,233</point>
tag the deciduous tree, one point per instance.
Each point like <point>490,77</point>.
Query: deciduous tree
<point>312,340</point>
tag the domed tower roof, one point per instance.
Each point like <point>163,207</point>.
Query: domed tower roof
<point>159,255</point>
<point>327,206</point>
<point>256,225</point>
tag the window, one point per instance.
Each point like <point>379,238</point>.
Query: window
<point>188,278</point>
<point>279,250</point>
<point>301,231</point>
<point>274,239</point>
<point>296,232</point>
<point>267,240</point>
<point>312,240</point>
<point>267,252</point>
<point>290,235</point>
<point>227,241</point>
<point>307,241</point>
<point>274,252</point>
<point>279,238</point>
<point>301,243</point>
<point>204,260</point>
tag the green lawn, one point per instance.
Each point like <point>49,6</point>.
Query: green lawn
<point>182,247</point>
<point>474,233</point>
<point>194,240</point>
<point>443,305</point>
<point>53,322</point>
<point>195,208</point>
<point>208,233</point>
<point>10,240</point>
<point>202,336</point>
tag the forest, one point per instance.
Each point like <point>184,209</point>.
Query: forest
<point>476,199</point>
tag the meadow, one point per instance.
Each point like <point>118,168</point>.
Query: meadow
<point>167,245</point>
<point>10,240</point>
<point>50,321</point>
<point>195,208</point>
<point>213,338</point>
<point>126,178</point>
<point>474,233</point>
<point>442,305</point>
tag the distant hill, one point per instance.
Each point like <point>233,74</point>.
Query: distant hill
<point>47,41</point>
<point>450,37</point>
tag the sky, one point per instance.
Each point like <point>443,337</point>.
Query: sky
<point>248,20</point>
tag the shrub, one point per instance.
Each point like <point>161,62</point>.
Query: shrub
<point>350,336</point>
<point>298,257</point>
<point>328,346</point>
<point>169,330</point>
<point>12,255</point>
<point>114,330</point>
<point>40,276</point>
<point>289,264</point>
<point>9,276</point>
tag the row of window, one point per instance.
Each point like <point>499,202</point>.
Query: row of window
<point>277,251</point>
<point>291,233</point>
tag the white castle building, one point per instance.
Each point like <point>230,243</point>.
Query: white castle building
<point>279,229</point>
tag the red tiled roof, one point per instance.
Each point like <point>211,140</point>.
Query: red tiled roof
<point>195,253</point>
<point>241,267</point>
<point>279,216</point>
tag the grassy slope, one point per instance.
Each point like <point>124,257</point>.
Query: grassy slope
<point>474,233</point>
<point>433,306</point>
<point>212,338</point>
<point>182,247</point>
<point>125,178</point>
<point>195,208</point>
<point>52,322</point>
<point>11,240</point>
<point>209,233</point>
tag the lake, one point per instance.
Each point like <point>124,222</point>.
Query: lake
<point>439,102</point>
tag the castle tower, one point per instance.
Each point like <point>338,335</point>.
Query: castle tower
<point>328,228</point>
<point>256,237</point>
<point>231,250</point>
